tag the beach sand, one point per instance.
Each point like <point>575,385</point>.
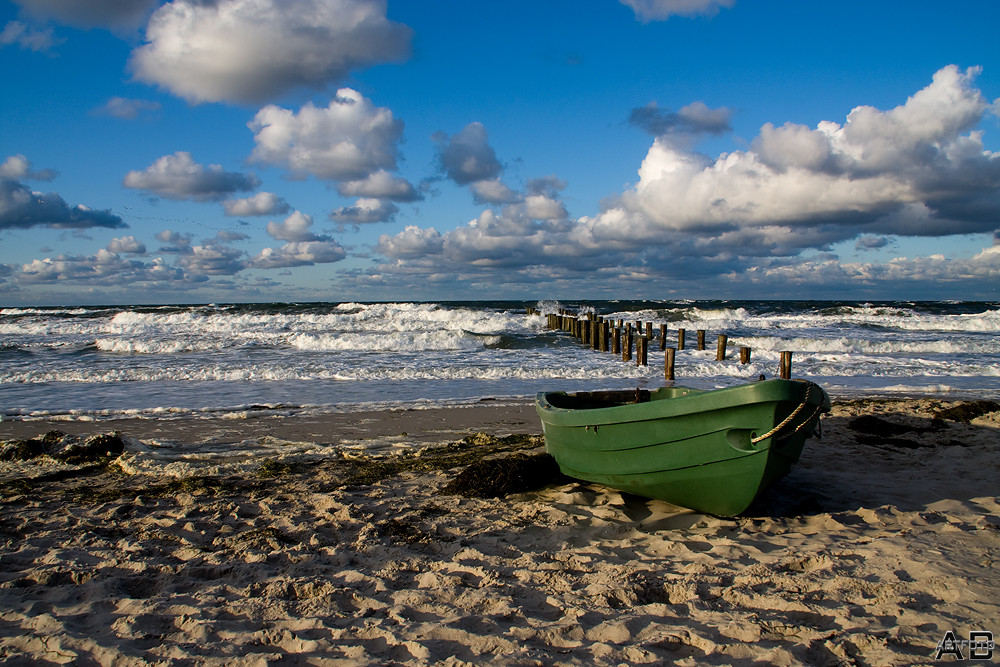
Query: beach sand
<point>884,537</point>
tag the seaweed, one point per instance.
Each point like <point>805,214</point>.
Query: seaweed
<point>967,411</point>
<point>495,478</point>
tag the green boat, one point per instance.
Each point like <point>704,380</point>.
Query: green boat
<point>710,451</point>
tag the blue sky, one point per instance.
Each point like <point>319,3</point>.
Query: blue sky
<point>273,150</point>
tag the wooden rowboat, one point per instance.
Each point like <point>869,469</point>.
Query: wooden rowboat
<point>711,451</point>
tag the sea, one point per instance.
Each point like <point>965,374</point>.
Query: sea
<point>198,361</point>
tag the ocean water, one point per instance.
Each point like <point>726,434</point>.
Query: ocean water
<point>211,360</point>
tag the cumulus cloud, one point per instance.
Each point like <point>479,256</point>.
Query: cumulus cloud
<point>212,260</point>
<point>493,191</point>
<point>252,51</point>
<point>262,203</point>
<point>18,167</point>
<point>127,245</point>
<point>909,170</point>
<point>104,268</point>
<point>467,157</point>
<point>178,176</point>
<point>381,185</point>
<point>126,108</point>
<point>919,169</point>
<point>661,10</point>
<point>299,253</point>
<point>365,210</point>
<point>349,140</point>
<point>295,227</point>
<point>113,14</point>
<point>175,241</point>
<point>18,33</point>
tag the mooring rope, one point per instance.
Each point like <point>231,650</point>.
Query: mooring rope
<point>789,418</point>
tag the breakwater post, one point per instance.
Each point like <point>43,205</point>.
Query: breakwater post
<point>607,335</point>
<point>785,369</point>
<point>641,347</point>
<point>720,350</point>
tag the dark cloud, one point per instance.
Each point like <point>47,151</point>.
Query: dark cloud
<point>467,157</point>
<point>693,119</point>
<point>20,207</point>
<point>113,14</point>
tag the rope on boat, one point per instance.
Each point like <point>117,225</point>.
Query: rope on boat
<point>789,418</point>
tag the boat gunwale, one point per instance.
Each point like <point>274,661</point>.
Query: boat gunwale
<point>698,401</point>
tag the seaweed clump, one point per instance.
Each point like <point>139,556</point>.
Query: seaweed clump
<point>967,411</point>
<point>495,478</point>
<point>67,448</point>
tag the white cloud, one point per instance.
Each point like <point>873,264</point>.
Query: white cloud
<point>299,253</point>
<point>493,191</point>
<point>178,176</point>
<point>294,228</point>
<point>212,259</point>
<point>411,243</point>
<point>252,51</point>
<point>18,167</point>
<point>381,185</point>
<point>349,140</point>
<point>127,244</point>
<point>262,203</point>
<point>103,268</point>
<point>917,170</point>
<point>365,210</point>
<point>862,175</point>
<point>661,10</point>
<point>176,241</point>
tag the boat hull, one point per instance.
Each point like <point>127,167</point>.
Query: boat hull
<point>711,451</point>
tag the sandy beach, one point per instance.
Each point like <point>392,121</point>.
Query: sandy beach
<point>343,546</point>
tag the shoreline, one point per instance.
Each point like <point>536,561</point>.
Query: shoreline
<point>883,538</point>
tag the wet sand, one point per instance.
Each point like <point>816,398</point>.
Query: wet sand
<point>884,537</point>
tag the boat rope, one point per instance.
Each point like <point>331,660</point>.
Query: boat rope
<point>789,418</point>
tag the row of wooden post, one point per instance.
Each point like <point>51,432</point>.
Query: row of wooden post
<point>599,334</point>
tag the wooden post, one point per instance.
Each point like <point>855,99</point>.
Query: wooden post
<point>584,331</point>
<point>649,330</point>
<point>663,337</point>
<point>680,339</point>
<point>785,370</point>
<point>641,347</point>
<point>627,344</point>
<point>605,326</point>
<point>720,350</point>
<point>701,339</point>
<point>616,341</point>
<point>668,363</point>
<point>744,355</point>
